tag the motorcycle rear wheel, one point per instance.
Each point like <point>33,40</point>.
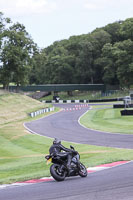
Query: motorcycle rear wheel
<point>56,174</point>
<point>82,170</point>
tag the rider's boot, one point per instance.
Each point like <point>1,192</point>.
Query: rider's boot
<point>69,169</point>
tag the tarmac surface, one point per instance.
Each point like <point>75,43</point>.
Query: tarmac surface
<point>111,184</point>
<point>65,126</point>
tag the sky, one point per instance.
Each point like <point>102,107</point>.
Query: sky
<point>48,21</point>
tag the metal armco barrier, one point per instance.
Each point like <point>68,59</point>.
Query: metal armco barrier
<point>41,111</point>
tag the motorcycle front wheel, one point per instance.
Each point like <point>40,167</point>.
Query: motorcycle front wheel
<point>56,174</point>
<point>82,170</point>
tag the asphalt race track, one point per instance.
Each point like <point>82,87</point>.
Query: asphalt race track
<point>111,184</point>
<point>64,125</point>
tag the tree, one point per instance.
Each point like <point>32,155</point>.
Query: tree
<point>108,61</point>
<point>58,67</point>
<point>84,64</point>
<point>16,54</point>
<point>89,69</point>
<point>101,37</point>
<point>3,23</point>
<point>124,62</point>
<point>37,74</point>
<point>114,31</point>
<point>118,63</point>
<point>126,29</point>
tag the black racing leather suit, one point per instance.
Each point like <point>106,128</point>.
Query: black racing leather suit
<point>56,149</point>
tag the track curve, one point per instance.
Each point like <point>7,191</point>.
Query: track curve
<point>64,125</point>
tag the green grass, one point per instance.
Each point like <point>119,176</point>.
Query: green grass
<point>22,154</point>
<point>20,151</point>
<point>109,120</point>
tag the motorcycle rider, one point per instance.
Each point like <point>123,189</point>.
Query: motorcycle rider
<point>57,148</point>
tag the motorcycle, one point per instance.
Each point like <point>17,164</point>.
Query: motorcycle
<point>59,169</point>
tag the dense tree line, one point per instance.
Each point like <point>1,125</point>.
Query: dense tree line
<point>102,56</point>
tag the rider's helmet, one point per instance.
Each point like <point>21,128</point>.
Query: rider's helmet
<point>56,141</point>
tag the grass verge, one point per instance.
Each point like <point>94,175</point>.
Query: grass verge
<point>108,119</point>
<point>22,153</point>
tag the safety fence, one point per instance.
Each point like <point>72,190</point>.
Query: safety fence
<point>41,111</point>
